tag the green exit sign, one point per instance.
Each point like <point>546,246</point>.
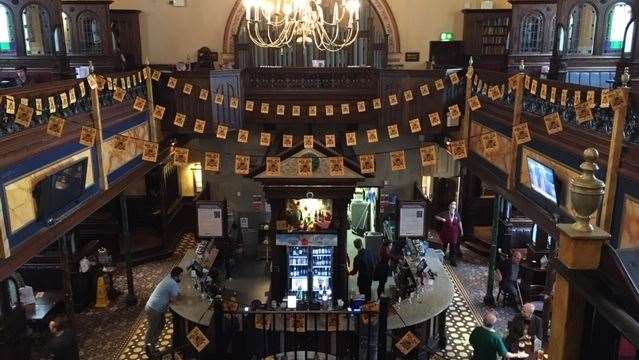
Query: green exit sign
<point>446,36</point>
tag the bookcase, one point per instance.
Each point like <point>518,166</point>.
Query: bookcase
<point>486,37</point>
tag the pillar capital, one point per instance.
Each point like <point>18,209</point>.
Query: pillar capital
<point>580,250</point>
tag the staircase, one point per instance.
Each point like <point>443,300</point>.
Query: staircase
<point>480,241</point>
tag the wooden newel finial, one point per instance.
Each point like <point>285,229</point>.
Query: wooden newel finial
<point>147,62</point>
<point>522,66</point>
<point>471,62</point>
<point>625,77</point>
<point>586,192</point>
<point>91,67</point>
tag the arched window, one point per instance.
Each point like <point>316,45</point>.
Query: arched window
<point>7,31</point>
<point>617,20</point>
<point>89,34</point>
<point>628,39</point>
<point>37,30</point>
<point>581,29</point>
<point>532,27</point>
<point>68,34</point>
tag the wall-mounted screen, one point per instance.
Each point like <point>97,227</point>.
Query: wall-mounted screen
<point>543,180</point>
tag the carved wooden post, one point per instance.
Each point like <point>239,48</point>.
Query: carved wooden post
<point>518,109</point>
<point>579,249</point>
<point>96,114</point>
<point>614,155</point>
<point>465,126</point>
<point>153,125</point>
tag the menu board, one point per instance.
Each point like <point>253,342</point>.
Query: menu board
<point>209,220</point>
<point>411,220</point>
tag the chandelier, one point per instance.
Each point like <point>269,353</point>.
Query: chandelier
<point>281,23</point>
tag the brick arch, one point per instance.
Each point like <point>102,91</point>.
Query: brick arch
<point>381,7</point>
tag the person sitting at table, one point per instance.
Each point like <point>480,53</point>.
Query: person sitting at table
<point>63,345</point>
<point>487,343</point>
<point>167,291</point>
<point>525,323</point>
<point>508,275</point>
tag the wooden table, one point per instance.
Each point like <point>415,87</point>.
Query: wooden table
<point>40,313</point>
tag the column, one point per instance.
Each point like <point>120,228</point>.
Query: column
<point>489,299</point>
<point>131,299</point>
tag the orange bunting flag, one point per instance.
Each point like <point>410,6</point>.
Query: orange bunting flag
<point>617,99</point>
<point>346,109</point>
<point>458,149</point>
<point>235,103</point>
<point>336,166</point>
<point>543,91</point>
<point>87,136</point>
<point>454,111</point>
<point>296,110</point>
<point>329,110</point>
<point>407,343</point>
<point>158,112</point>
<point>377,103</point>
<point>120,142</point>
<point>424,90</point>
<point>521,133</point>
<point>156,75</point>
<point>398,160</point>
<point>63,101</point>
<point>222,131</point>
<point>280,110</point>
<point>393,131</point>
<point>361,106</point>
<point>564,97</point>
<point>312,111</point>
<point>287,141</point>
<point>139,103</point>
<point>55,126</point>
<point>553,123</point>
<point>24,115</point>
<point>264,108</point>
<point>249,105</point>
<point>454,78</point>
<point>371,134</point>
<point>187,89</point>
<point>199,125</point>
<point>533,87</point>
<point>204,94</point>
<point>428,155</point>
<point>273,166</point>
<point>242,164</point>
<point>179,119</point>
<point>367,164</point>
<point>172,83</point>
<point>308,141</point>
<point>150,151</point>
<point>212,161</point>
<point>265,139</point>
<point>583,113</point>
<point>489,142</point>
<point>329,141</point>
<point>553,94</point>
<point>439,84</point>
<point>474,103</point>
<point>408,95</point>
<point>577,97</point>
<point>351,139</point>
<point>415,126</point>
<point>392,100</point>
<point>304,166</point>
<point>527,82</point>
<point>119,94</point>
<point>434,118</point>
<point>242,136</point>
<point>605,99</point>
<point>93,84</point>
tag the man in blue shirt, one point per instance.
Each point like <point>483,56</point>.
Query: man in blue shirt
<point>165,292</point>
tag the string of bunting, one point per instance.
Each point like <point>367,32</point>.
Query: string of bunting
<point>212,160</point>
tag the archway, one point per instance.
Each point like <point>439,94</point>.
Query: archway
<point>381,7</point>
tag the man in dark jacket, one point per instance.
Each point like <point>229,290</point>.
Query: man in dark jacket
<point>363,265</point>
<point>63,345</point>
<point>525,323</point>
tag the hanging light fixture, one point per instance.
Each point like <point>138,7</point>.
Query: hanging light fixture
<point>282,23</point>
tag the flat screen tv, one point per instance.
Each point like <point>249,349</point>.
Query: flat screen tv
<point>543,180</point>
<point>60,189</point>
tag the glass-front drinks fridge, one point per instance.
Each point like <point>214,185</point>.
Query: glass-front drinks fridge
<point>310,265</point>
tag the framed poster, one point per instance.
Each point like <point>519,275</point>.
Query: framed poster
<point>412,219</point>
<point>210,219</point>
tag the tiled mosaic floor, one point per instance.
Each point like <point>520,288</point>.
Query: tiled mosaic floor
<point>134,348</point>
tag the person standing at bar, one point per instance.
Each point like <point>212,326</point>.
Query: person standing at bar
<point>165,292</point>
<point>63,345</point>
<point>363,265</point>
<point>451,232</point>
<point>383,269</point>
